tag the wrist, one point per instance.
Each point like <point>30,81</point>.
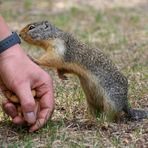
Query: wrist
<point>13,51</point>
<point>8,41</point>
<point>4,34</point>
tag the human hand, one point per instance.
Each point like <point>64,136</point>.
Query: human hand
<point>19,75</point>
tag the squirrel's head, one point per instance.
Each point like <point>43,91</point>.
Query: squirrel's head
<point>39,32</point>
<point>47,36</point>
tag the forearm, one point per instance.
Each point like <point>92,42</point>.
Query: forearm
<point>4,33</point>
<point>4,29</point>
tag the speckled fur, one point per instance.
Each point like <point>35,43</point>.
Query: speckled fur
<point>105,87</point>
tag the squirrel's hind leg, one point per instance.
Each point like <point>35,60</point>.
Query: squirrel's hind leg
<point>104,109</point>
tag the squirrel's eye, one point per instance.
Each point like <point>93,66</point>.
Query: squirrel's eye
<point>31,27</point>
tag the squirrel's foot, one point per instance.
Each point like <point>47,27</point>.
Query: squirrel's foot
<point>61,74</point>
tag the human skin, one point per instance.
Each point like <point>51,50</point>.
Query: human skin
<point>20,75</point>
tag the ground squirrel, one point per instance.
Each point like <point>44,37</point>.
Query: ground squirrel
<point>104,86</point>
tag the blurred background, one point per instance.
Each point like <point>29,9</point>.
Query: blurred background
<point>120,29</point>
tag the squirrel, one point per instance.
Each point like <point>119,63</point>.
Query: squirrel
<point>105,87</point>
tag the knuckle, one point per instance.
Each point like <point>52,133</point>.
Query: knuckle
<point>16,84</point>
<point>47,78</point>
<point>50,82</point>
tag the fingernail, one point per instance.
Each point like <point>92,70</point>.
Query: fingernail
<point>30,117</point>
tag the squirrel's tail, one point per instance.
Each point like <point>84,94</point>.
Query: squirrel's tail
<point>136,114</point>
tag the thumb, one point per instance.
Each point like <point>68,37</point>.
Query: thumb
<point>27,102</point>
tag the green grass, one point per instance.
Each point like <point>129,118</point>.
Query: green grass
<point>122,34</point>
<point>28,4</point>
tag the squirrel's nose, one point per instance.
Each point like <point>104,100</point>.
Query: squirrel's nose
<point>19,34</point>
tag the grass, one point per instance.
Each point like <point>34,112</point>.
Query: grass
<point>28,4</point>
<point>122,34</point>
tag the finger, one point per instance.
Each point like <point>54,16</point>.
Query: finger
<point>37,108</point>
<point>39,123</point>
<point>46,110</point>
<point>18,120</point>
<point>27,102</point>
<point>2,86</point>
<point>44,116</point>
<point>9,108</point>
<point>13,98</point>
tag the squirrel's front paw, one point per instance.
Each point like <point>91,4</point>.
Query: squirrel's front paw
<point>61,74</point>
<point>34,60</point>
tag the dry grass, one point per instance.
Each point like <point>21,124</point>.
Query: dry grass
<point>122,33</point>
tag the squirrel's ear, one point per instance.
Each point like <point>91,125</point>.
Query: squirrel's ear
<point>46,24</point>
